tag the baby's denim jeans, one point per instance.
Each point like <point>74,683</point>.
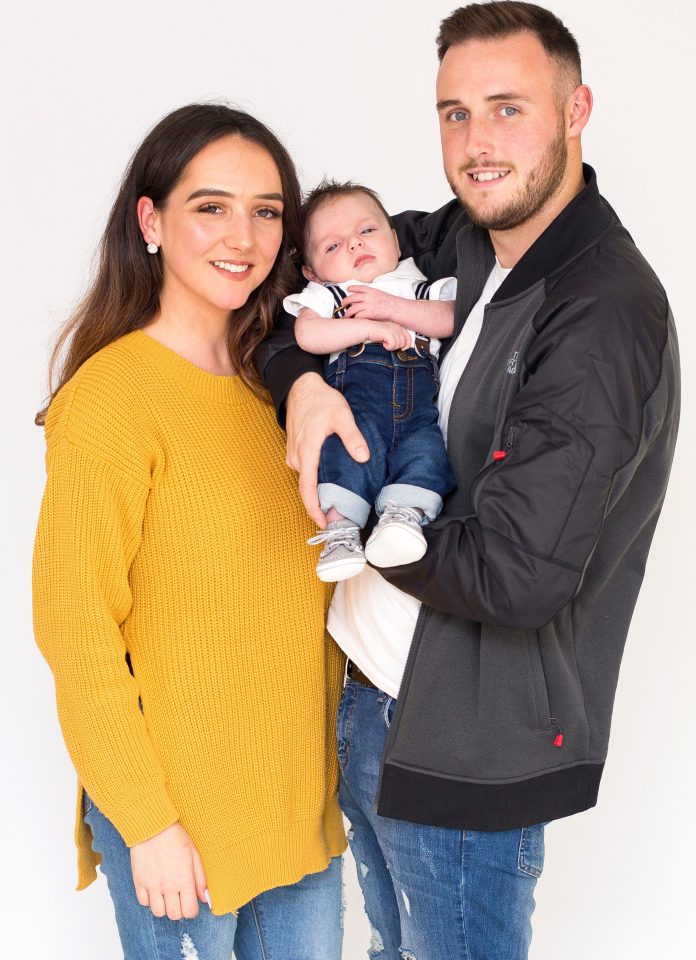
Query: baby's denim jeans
<point>392,396</point>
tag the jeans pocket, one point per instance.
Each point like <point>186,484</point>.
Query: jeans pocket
<point>87,803</point>
<point>344,724</point>
<point>530,859</point>
<point>388,711</point>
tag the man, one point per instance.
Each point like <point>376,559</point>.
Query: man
<point>559,401</point>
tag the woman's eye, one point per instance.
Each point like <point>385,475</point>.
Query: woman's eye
<point>509,111</point>
<point>211,208</point>
<point>457,116</point>
<point>268,213</point>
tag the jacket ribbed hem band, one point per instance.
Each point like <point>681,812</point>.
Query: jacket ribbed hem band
<point>426,798</point>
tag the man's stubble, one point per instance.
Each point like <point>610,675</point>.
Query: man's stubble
<point>542,183</point>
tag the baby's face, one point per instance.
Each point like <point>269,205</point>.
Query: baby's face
<point>350,239</point>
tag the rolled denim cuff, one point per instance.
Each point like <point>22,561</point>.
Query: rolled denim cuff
<point>408,495</point>
<point>349,504</point>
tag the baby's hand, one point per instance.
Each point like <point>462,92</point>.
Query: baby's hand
<point>367,303</point>
<point>390,335</point>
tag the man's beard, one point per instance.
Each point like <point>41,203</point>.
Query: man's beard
<point>541,185</point>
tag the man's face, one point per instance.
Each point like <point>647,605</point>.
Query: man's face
<point>502,128</point>
<point>350,239</point>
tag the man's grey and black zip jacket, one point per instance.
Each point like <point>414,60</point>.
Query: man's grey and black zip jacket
<point>561,435</point>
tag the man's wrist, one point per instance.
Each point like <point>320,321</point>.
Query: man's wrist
<point>284,370</point>
<point>305,381</point>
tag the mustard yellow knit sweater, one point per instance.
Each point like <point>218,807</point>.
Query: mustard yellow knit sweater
<point>172,530</point>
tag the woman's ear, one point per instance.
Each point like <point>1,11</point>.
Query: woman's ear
<point>148,220</point>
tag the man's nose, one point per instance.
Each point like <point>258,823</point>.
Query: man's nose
<point>479,141</point>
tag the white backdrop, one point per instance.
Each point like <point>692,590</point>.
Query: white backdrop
<point>350,89</point>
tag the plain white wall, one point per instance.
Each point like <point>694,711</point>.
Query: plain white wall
<point>350,89</point>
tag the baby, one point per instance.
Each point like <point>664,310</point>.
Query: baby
<point>380,320</point>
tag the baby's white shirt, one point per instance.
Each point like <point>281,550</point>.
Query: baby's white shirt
<point>402,282</point>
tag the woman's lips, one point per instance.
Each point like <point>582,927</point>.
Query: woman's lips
<point>235,271</point>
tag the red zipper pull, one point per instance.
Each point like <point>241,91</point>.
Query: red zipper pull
<point>558,739</point>
<point>499,454</point>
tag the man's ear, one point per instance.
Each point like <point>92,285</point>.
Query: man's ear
<point>308,274</point>
<point>578,109</point>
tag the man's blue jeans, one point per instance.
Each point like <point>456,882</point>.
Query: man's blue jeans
<point>302,921</point>
<point>431,893</point>
<point>392,397</point>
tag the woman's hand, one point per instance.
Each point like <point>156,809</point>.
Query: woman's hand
<point>315,411</point>
<point>168,874</point>
<point>390,335</point>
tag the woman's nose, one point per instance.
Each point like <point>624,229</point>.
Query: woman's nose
<point>240,235</point>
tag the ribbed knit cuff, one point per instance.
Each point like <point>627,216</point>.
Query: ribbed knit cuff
<point>148,816</point>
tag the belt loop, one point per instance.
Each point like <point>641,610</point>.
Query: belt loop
<point>422,345</point>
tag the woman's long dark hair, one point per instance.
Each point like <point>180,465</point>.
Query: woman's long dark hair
<point>125,293</point>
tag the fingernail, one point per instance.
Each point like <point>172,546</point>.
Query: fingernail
<point>207,897</point>
<point>362,453</point>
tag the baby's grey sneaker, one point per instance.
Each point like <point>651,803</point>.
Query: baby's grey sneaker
<point>397,538</point>
<point>343,556</point>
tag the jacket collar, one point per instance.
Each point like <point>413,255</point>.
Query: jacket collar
<point>575,228</point>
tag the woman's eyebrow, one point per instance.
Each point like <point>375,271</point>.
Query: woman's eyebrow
<point>215,192</point>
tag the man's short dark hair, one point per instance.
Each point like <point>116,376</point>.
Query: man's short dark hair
<point>504,18</point>
<point>329,190</point>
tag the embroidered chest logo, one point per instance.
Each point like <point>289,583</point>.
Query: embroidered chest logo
<point>512,362</point>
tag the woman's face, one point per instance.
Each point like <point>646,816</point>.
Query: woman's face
<point>221,227</point>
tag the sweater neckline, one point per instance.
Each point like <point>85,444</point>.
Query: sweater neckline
<point>224,388</point>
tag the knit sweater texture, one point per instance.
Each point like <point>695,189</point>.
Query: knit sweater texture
<point>172,531</point>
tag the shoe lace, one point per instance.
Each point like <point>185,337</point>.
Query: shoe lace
<point>393,512</point>
<point>348,537</point>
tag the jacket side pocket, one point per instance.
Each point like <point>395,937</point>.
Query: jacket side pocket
<point>541,692</point>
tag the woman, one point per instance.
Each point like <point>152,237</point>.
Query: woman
<point>195,687</point>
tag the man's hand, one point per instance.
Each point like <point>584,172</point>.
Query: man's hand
<point>315,411</point>
<point>168,874</point>
<point>368,303</point>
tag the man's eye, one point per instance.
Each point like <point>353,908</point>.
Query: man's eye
<point>457,116</point>
<point>268,213</point>
<point>509,111</point>
<point>211,208</point>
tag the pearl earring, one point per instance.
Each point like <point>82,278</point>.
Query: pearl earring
<point>152,248</point>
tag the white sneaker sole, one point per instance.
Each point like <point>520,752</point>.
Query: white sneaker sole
<point>394,544</point>
<point>340,569</point>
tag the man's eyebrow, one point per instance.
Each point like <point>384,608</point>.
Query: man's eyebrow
<point>493,98</point>
<point>443,104</point>
<point>214,192</point>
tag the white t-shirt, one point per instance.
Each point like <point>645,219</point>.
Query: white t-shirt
<point>402,282</point>
<point>370,619</point>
